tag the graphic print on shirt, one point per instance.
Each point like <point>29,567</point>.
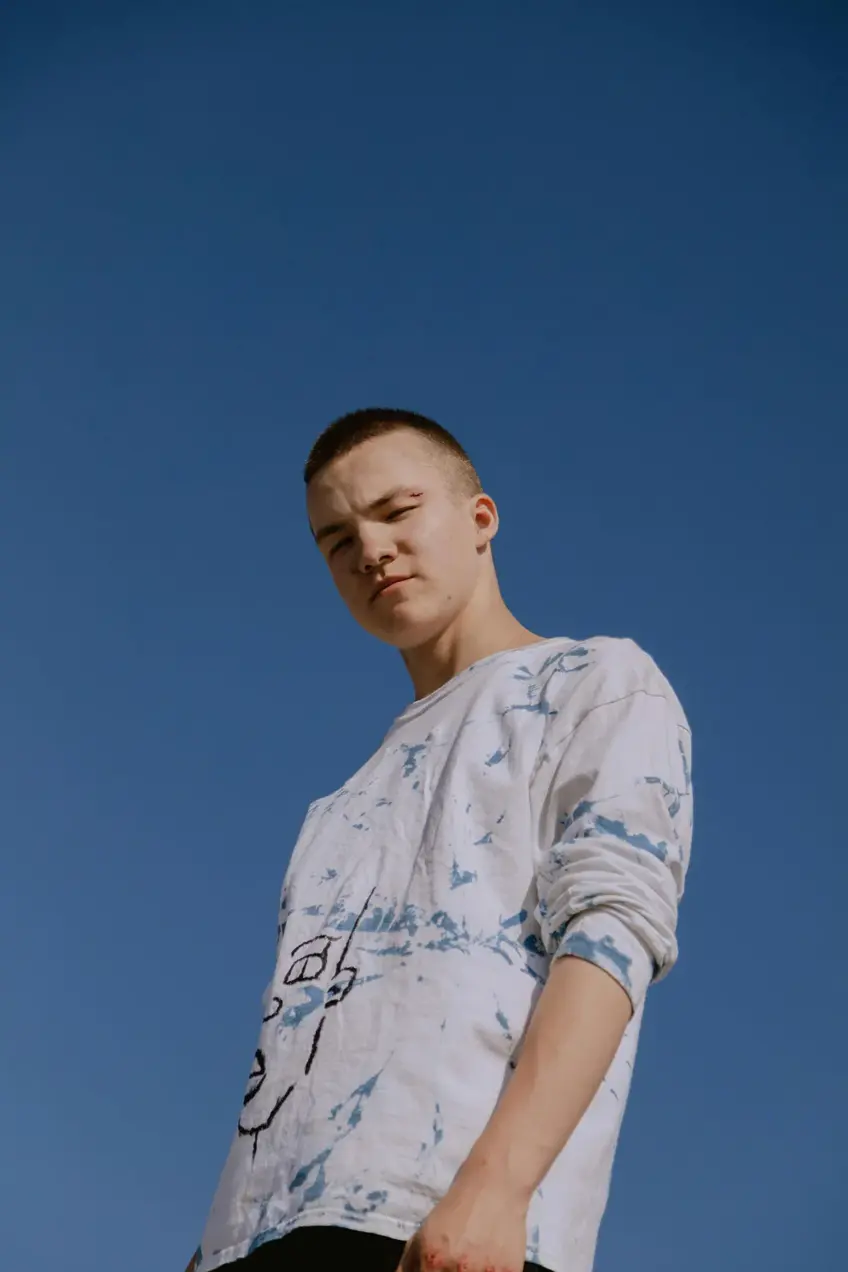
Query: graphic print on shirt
<point>309,963</point>
<point>539,806</point>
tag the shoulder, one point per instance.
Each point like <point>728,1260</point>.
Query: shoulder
<point>604,669</point>
<point>619,712</point>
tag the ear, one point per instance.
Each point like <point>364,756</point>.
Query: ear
<point>486,519</point>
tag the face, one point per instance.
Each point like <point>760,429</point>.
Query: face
<point>405,547</point>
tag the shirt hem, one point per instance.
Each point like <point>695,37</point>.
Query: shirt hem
<point>380,1225</point>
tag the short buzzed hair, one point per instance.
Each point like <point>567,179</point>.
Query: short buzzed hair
<point>373,421</point>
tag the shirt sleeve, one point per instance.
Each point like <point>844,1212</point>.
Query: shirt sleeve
<point>616,827</point>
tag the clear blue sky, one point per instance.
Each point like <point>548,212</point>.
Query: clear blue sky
<point>606,245</point>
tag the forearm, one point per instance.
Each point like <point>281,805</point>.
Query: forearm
<point>570,1044</point>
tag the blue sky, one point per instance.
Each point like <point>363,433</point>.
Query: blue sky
<point>605,244</point>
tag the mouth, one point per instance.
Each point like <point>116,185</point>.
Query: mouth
<point>389,585</point>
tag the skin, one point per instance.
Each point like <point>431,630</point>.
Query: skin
<point>394,507</point>
<point>398,510</point>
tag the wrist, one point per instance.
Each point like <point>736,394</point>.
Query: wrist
<point>499,1172</point>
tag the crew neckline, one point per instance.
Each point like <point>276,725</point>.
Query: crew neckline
<point>418,705</point>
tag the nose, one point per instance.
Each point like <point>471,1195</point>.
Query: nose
<point>374,551</point>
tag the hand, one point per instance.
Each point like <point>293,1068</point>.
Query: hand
<point>476,1227</point>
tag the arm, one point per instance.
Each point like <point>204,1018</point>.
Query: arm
<point>570,1044</point>
<point>614,838</point>
<point>481,1223</point>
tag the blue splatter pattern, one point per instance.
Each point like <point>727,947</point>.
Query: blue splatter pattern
<point>537,806</point>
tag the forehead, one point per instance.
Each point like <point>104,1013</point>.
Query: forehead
<point>400,459</point>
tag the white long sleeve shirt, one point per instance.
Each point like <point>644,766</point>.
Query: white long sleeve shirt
<point>537,805</point>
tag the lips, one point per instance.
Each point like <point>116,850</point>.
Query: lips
<point>386,583</point>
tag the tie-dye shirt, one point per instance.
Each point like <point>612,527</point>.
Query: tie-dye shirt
<point>537,805</point>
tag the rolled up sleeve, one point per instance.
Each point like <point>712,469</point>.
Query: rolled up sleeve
<point>616,831</point>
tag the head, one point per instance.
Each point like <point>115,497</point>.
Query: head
<point>391,495</point>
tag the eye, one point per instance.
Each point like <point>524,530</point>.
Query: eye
<point>399,512</point>
<point>340,543</point>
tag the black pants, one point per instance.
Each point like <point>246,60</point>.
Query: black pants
<point>328,1250</point>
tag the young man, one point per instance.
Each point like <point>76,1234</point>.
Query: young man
<point>468,927</point>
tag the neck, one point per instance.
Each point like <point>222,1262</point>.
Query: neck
<point>485,627</point>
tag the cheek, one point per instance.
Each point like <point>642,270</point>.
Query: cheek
<point>439,540</point>
<point>453,555</point>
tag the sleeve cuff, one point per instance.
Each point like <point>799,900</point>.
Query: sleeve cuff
<point>601,938</point>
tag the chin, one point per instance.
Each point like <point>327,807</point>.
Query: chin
<point>411,630</point>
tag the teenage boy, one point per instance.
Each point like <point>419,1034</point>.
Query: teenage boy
<point>469,926</point>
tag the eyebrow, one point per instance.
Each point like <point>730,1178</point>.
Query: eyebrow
<point>336,526</point>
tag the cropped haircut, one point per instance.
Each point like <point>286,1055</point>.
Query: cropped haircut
<point>350,430</point>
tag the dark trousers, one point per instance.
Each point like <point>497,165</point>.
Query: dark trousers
<point>328,1250</point>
